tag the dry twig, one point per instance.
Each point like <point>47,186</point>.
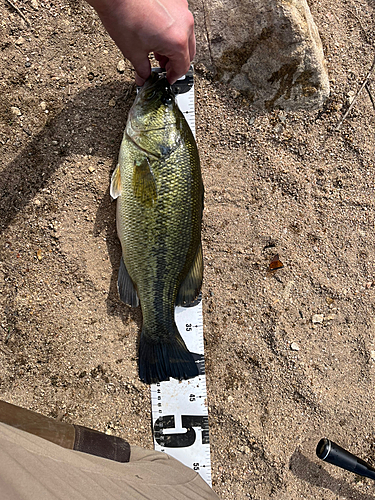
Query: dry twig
<point>18,12</point>
<point>364,83</point>
<point>365,32</point>
<point>367,86</point>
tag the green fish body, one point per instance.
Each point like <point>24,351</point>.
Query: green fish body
<point>159,191</point>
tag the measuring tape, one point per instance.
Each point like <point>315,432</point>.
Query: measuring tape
<point>179,408</point>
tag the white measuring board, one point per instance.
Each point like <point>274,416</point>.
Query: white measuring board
<point>179,408</point>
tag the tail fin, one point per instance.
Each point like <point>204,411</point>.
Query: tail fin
<point>163,357</point>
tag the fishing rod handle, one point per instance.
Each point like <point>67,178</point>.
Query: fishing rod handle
<point>333,453</point>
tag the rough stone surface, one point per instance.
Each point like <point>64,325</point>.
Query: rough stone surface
<point>270,49</point>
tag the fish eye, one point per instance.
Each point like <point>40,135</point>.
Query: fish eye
<point>150,95</point>
<point>166,99</point>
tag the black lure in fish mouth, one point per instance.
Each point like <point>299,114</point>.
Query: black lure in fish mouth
<point>156,84</point>
<point>165,88</point>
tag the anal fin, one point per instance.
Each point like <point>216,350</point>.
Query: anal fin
<point>126,290</point>
<point>190,287</point>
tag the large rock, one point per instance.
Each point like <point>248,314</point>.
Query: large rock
<point>270,49</point>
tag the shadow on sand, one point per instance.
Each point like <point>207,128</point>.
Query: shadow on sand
<point>86,124</point>
<point>317,476</point>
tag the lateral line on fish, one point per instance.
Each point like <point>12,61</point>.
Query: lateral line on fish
<point>142,149</point>
<point>153,129</point>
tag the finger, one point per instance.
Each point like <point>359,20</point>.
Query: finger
<point>179,64</point>
<point>174,72</point>
<point>192,46</point>
<point>143,70</point>
<point>162,59</point>
<point>138,80</point>
<point>176,68</point>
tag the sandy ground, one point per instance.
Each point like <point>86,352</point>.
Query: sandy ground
<point>290,355</point>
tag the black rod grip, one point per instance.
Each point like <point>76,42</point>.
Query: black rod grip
<point>333,453</point>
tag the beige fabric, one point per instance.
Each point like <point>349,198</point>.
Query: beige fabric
<point>32,468</point>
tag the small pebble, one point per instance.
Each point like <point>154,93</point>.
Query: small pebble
<point>294,346</point>
<point>121,66</point>
<point>91,169</point>
<point>43,105</point>
<point>245,449</point>
<point>317,318</point>
<point>20,41</point>
<point>372,355</point>
<point>330,317</point>
<point>34,4</point>
<point>351,95</point>
<point>112,102</point>
<point>16,111</point>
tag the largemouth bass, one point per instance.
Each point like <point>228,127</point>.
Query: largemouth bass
<point>159,191</point>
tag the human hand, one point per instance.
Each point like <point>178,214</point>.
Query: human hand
<point>138,27</point>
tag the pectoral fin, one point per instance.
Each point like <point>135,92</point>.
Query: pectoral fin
<point>126,290</point>
<point>190,287</point>
<point>115,189</point>
<point>143,182</point>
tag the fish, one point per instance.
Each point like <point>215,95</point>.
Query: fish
<point>159,191</point>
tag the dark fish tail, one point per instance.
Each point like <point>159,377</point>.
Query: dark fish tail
<point>164,356</point>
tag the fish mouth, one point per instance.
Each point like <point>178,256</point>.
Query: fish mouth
<point>159,83</point>
<point>151,80</point>
<point>156,86</point>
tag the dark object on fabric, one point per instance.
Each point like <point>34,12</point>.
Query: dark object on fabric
<point>100,444</point>
<point>73,437</point>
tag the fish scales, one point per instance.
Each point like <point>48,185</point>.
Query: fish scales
<point>159,209</point>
